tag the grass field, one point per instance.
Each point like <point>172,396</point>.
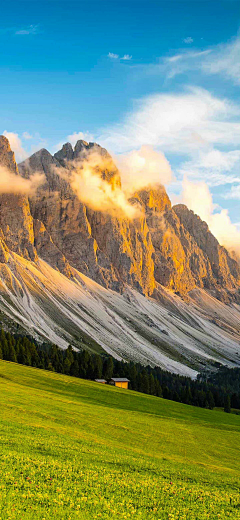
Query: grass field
<point>74,449</point>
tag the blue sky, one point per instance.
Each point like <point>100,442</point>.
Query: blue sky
<point>127,74</point>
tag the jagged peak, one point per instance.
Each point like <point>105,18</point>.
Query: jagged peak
<point>67,146</point>
<point>43,152</point>
<point>7,157</point>
<point>188,215</point>
<point>4,142</point>
<point>81,144</point>
<point>65,154</point>
<point>41,162</point>
<point>154,198</point>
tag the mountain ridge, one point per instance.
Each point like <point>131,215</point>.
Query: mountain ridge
<point>144,288</point>
<point>184,257</point>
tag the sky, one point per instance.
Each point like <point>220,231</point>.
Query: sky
<point>131,74</point>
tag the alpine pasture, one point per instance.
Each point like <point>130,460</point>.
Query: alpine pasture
<point>74,449</point>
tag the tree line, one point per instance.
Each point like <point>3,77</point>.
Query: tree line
<point>219,389</point>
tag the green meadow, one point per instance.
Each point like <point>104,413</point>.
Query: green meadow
<point>75,449</point>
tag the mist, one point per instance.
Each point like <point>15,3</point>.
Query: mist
<point>142,168</point>
<point>12,183</point>
<point>197,197</point>
<point>99,184</point>
<point>86,177</point>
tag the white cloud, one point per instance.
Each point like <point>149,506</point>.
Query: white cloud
<point>11,183</point>
<point>126,57</point>
<point>214,166</point>
<point>222,59</point>
<point>180,63</point>
<point>16,145</point>
<point>197,197</point>
<point>180,123</point>
<point>139,168</point>
<point>188,39</point>
<point>26,135</point>
<point>113,56</point>
<point>175,58</point>
<point>194,124</point>
<point>234,193</point>
<point>31,29</point>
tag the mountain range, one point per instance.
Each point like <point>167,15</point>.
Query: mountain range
<point>156,287</point>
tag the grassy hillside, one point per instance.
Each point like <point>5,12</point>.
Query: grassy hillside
<point>74,449</point>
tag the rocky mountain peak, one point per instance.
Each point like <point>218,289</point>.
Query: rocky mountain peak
<point>164,247</point>
<point>41,162</point>
<point>16,223</point>
<point>80,146</point>
<point>65,154</point>
<point>169,246</point>
<point>153,198</point>
<point>224,268</point>
<point>7,157</point>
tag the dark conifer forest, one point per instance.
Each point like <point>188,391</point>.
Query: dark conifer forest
<point>217,389</point>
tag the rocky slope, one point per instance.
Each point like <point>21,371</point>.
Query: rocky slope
<point>111,250</point>
<point>16,222</point>
<point>159,273</point>
<point>183,337</point>
<point>171,246</point>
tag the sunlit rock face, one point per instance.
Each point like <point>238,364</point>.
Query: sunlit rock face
<point>160,251</point>
<point>7,157</point>
<point>82,151</point>
<point>163,245</point>
<point>111,250</point>
<point>223,270</point>
<point>185,253</point>
<point>16,223</point>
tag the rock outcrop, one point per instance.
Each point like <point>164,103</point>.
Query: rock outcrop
<point>185,254</point>
<point>164,245</point>
<point>221,271</point>
<point>48,243</point>
<point>110,250</point>
<point>16,222</point>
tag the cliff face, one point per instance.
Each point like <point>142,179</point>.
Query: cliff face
<point>59,239</point>
<point>164,245</point>
<point>110,250</point>
<point>185,253</point>
<point>222,271</point>
<point>16,223</point>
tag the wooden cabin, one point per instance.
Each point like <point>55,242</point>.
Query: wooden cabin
<point>103,381</point>
<point>121,382</point>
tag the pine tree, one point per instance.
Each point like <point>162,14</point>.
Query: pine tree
<point>23,356</point>
<point>227,404</point>
<point>108,374</point>
<point>98,367</point>
<point>74,369</point>
<point>69,354</point>
<point>133,376</point>
<point>210,399</point>
<point>158,389</point>
<point>11,353</point>
<point>4,345</point>
<point>145,382</point>
<point>67,365</point>
<point>152,385</point>
<point>83,361</point>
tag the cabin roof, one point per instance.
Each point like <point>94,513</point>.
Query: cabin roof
<point>100,380</point>
<point>120,379</point>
